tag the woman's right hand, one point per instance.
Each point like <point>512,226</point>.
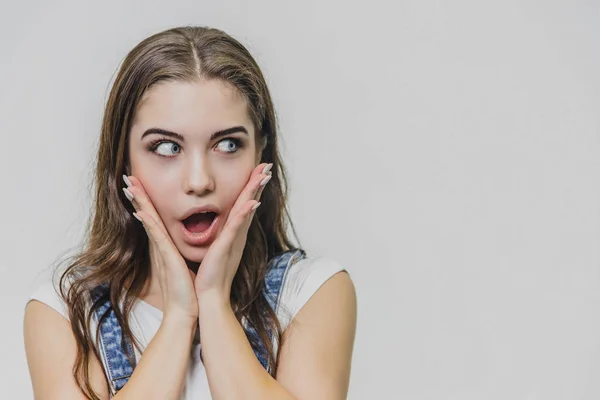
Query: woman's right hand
<point>175,279</point>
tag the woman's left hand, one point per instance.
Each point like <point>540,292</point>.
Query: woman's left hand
<point>220,264</point>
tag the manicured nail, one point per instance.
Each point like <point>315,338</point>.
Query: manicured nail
<point>128,194</point>
<point>267,168</point>
<point>256,206</point>
<point>127,181</point>
<point>264,181</point>
<point>138,217</point>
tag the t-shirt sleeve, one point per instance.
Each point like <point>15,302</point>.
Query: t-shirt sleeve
<point>47,293</point>
<point>301,282</point>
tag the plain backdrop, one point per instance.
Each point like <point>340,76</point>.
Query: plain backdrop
<point>447,153</point>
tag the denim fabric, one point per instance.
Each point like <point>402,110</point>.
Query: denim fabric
<point>116,363</point>
<point>274,278</point>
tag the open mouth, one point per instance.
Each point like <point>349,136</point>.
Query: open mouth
<point>200,222</point>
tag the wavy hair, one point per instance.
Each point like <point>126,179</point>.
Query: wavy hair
<point>115,250</point>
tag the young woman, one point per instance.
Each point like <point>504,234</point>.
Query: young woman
<point>185,288</point>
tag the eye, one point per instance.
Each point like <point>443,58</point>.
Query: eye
<point>230,145</point>
<point>165,146</point>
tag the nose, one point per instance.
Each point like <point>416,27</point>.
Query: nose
<point>197,177</point>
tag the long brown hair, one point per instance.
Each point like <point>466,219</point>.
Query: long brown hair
<point>115,250</point>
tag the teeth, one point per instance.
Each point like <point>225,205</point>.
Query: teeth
<point>201,212</point>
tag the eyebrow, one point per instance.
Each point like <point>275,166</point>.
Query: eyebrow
<point>214,136</point>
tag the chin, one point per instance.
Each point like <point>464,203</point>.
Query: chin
<point>192,253</point>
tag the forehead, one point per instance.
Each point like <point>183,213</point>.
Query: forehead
<point>199,107</point>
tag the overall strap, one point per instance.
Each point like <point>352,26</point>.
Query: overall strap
<point>275,277</point>
<point>117,365</point>
<point>276,274</point>
<point>115,360</point>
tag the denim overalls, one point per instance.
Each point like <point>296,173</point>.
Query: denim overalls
<point>117,365</point>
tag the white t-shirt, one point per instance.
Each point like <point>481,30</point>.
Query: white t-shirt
<point>303,279</point>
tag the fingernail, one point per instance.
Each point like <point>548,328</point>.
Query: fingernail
<point>256,206</point>
<point>127,181</point>
<point>264,181</point>
<point>128,194</point>
<point>267,168</point>
<point>138,217</point>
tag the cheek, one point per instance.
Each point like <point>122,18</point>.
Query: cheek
<point>159,191</point>
<point>156,181</point>
<point>232,184</point>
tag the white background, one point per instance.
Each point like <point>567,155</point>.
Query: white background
<point>447,153</point>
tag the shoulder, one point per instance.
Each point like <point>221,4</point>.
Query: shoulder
<point>48,293</point>
<point>303,279</point>
<point>51,347</point>
<point>317,345</point>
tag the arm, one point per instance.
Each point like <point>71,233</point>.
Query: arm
<point>50,349</point>
<point>51,355</point>
<point>161,371</point>
<point>316,350</point>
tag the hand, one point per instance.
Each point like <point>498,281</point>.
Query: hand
<point>175,279</point>
<point>220,264</point>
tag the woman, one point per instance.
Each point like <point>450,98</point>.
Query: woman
<point>188,238</point>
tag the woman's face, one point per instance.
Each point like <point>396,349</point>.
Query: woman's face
<point>204,156</point>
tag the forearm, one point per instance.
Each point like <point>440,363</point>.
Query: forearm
<point>161,371</point>
<point>232,368</point>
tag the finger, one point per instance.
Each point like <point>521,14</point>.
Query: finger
<point>260,174</point>
<point>239,223</point>
<point>262,186</point>
<point>166,248</point>
<point>131,199</point>
<point>141,201</point>
<point>127,191</point>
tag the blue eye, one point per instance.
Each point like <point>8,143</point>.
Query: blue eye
<point>230,145</point>
<point>165,145</point>
<point>169,148</point>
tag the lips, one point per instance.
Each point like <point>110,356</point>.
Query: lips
<point>208,208</point>
<point>197,223</point>
<point>200,238</point>
<point>200,224</point>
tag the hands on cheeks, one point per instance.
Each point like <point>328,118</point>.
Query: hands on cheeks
<point>180,288</point>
